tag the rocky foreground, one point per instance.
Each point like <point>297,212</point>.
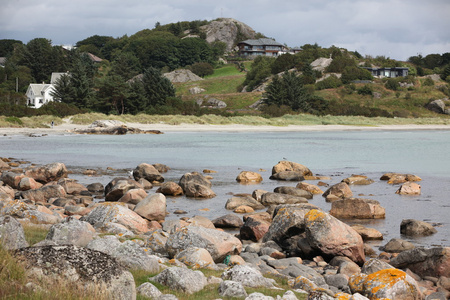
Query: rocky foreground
<point>280,233</point>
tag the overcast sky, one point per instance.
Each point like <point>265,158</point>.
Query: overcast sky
<point>394,28</point>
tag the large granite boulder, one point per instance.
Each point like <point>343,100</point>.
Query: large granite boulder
<point>133,196</point>
<point>247,276</point>
<point>148,172</point>
<point>291,166</point>
<point>71,231</point>
<point>47,173</point>
<point>233,289</point>
<point>218,243</point>
<point>109,212</point>
<point>397,245</point>
<point>12,179</point>
<point>246,177</point>
<point>196,185</point>
<point>386,284</point>
<point>118,187</point>
<point>409,188</point>
<point>313,189</point>
<point>228,221</point>
<point>196,258</point>
<point>27,183</point>
<point>241,200</point>
<point>71,186</point>
<point>153,207</point>
<point>293,191</point>
<point>181,279</point>
<point>410,227</point>
<point>94,270</point>
<point>357,208</point>
<point>333,237</point>
<point>170,189</point>
<point>288,176</point>
<point>426,262</point>
<point>12,235</point>
<point>254,229</point>
<point>6,192</point>
<point>268,199</point>
<point>338,191</point>
<point>36,214</point>
<point>44,193</point>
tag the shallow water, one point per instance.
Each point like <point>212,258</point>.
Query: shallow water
<point>334,154</point>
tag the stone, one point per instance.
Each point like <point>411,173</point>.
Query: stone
<point>162,168</point>
<point>200,221</point>
<point>170,189</point>
<point>218,243</point>
<point>229,288</point>
<point>44,193</point>
<point>333,237</point>
<point>12,235</point>
<point>247,200</point>
<point>243,209</point>
<point>182,75</point>
<point>410,227</point>
<point>367,234</point>
<point>4,165</point>
<point>357,208</point>
<point>293,191</point>
<point>426,262</point>
<point>313,189</point>
<point>181,279</point>
<point>288,176</point>
<point>47,173</point>
<point>228,221</point>
<point>246,177</point>
<point>340,190</point>
<point>148,172</point>
<point>71,231</point>
<point>115,212</point>
<point>155,240</point>
<point>96,188</point>
<point>269,198</point>
<point>11,179</point>
<point>118,187</point>
<point>309,286</point>
<point>7,192</point>
<point>196,258</point>
<point>409,188</point>
<point>247,276</point>
<point>133,196</point>
<point>194,177</point>
<point>152,207</point>
<point>148,290</point>
<point>254,229</point>
<point>71,186</point>
<point>374,265</point>
<point>437,106</point>
<point>291,166</point>
<point>387,283</point>
<point>357,180</point>
<point>195,190</point>
<point>94,270</point>
<point>339,281</point>
<point>196,90</point>
<point>27,183</point>
<point>33,213</point>
<point>397,245</point>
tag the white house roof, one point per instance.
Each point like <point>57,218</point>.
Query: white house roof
<point>39,88</point>
<point>55,77</point>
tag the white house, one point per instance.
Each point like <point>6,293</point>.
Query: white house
<point>40,94</point>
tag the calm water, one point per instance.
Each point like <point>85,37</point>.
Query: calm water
<point>334,154</point>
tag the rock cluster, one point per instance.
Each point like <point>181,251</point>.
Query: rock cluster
<point>282,234</point>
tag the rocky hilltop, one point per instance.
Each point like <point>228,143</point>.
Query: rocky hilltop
<point>227,30</point>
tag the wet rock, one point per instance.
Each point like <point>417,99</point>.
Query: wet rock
<point>247,200</point>
<point>47,173</point>
<point>170,189</point>
<point>293,191</point>
<point>71,231</point>
<point>357,180</point>
<point>148,172</point>
<point>357,208</point>
<point>333,237</point>
<point>368,234</point>
<point>409,188</point>
<point>313,189</point>
<point>228,221</point>
<point>426,262</point>
<point>196,185</point>
<point>268,199</point>
<point>246,177</point>
<point>96,188</point>
<point>410,227</point>
<point>93,269</point>
<point>288,176</point>
<point>340,190</point>
<point>12,235</point>
<point>291,166</point>
<point>229,288</point>
<point>396,178</point>
<point>397,245</point>
<point>161,168</point>
<point>218,243</point>
<point>181,279</point>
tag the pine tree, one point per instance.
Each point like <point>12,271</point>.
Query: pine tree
<point>157,87</point>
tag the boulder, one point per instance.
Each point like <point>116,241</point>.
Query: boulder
<point>313,189</point>
<point>71,186</point>
<point>152,207</point>
<point>433,262</point>
<point>181,279</point>
<point>118,187</point>
<point>11,179</point>
<point>71,231</point>
<point>409,188</point>
<point>367,234</point>
<point>397,245</point>
<point>44,193</point>
<point>437,106</point>
<point>253,229</point>
<point>268,199</point>
<point>374,265</point>
<point>196,90</point>
<point>357,180</point>
<point>243,209</point>
<point>4,165</point>
<point>47,173</point>
<point>170,188</point>
<point>194,177</point>
<point>247,276</point>
<point>196,258</point>
<point>148,290</point>
<point>195,190</point>
<point>291,166</point>
<point>155,240</point>
<point>412,227</point>
<point>229,288</point>
<point>247,200</point>
<point>162,168</point>
<point>148,172</point>
<point>396,178</point>
<point>27,183</point>
<point>218,243</point>
<point>246,177</point>
<point>333,237</point>
<point>96,188</point>
<point>293,191</point>
<point>94,270</point>
<point>33,213</point>
<point>133,196</point>
<point>386,284</point>
<point>12,235</point>
<point>288,176</point>
<point>110,212</point>
<point>6,192</point>
<point>182,75</point>
<point>340,190</point>
<point>357,208</point>
<point>228,221</point>
<point>200,221</point>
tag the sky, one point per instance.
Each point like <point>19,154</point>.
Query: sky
<point>396,29</point>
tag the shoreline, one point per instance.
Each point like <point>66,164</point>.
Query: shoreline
<point>68,128</point>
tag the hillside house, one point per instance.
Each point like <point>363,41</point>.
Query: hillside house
<point>388,72</point>
<point>39,94</point>
<point>267,47</point>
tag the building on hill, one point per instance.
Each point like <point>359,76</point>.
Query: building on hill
<point>267,47</point>
<point>39,94</point>
<point>388,72</point>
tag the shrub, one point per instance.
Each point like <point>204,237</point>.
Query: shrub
<point>331,82</point>
<point>202,69</point>
<point>14,120</point>
<point>392,84</point>
<point>354,73</point>
<point>365,90</point>
<point>428,82</point>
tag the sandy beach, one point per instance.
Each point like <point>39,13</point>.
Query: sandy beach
<point>67,128</point>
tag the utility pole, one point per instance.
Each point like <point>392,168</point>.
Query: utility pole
<point>17,84</point>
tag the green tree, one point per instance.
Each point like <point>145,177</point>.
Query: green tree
<point>282,63</point>
<point>111,95</point>
<point>38,56</point>
<point>63,91</point>
<point>288,90</point>
<point>202,69</point>
<point>260,70</point>
<point>81,79</point>
<point>7,47</point>
<point>157,88</point>
<point>354,73</point>
<point>339,63</point>
<point>126,65</point>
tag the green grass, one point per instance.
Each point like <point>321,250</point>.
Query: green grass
<point>227,70</point>
<point>34,233</point>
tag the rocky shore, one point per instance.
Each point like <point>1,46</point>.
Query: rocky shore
<point>97,234</point>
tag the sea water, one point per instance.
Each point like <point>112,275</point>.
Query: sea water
<point>334,154</point>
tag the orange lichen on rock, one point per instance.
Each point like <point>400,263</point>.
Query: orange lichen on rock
<point>314,215</point>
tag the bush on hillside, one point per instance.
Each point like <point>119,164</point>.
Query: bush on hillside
<point>202,69</point>
<point>331,82</point>
<point>392,84</point>
<point>365,90</point>
<point>354,73</point>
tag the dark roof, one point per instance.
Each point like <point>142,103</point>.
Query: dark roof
<point>261,42</point>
